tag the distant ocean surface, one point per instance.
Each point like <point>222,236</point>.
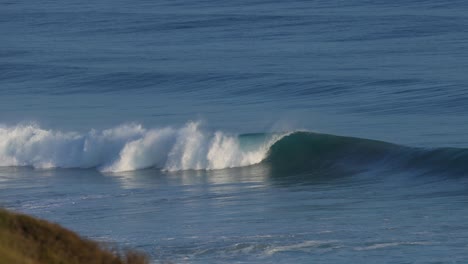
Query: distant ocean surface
<point>241,131</point>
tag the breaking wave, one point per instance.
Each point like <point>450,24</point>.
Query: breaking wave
<point>133,147</point>
<point>129,147</point>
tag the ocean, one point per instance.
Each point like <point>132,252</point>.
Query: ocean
<point>241,131</point>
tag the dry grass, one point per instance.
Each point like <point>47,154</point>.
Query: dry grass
<point>26,240</point>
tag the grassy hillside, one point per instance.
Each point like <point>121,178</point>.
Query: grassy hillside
<point>27,240</point>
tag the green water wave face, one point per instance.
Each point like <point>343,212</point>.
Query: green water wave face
<point>306,151</point>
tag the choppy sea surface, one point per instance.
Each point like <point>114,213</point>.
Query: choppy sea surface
<point>241,131</point>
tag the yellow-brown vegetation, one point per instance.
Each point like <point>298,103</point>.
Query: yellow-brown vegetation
<point>27,240</point>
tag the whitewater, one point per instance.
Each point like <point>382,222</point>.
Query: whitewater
<point>128,147</point>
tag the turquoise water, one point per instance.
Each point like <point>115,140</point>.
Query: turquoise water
<point>172,127</point>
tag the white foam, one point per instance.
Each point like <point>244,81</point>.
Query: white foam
<point>305,246</point>
<point>389,244</point>
<point>126,147</point>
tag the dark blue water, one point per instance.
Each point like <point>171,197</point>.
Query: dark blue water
<point>131,123</point>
